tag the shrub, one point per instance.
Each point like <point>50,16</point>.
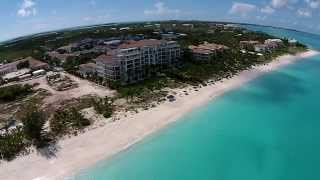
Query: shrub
<point>11,93</point>
<point>12,144</point>
<point>33,125</point>
<point>103,106</point>
<point>67,121</point>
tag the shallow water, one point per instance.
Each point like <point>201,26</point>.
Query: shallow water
<point>267,129</point>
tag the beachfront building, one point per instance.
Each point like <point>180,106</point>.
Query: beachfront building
<point>207,51</point>
<point>248,45</point>
<point>108,67</point>
<point>131,61</point>
<point>273,43</point>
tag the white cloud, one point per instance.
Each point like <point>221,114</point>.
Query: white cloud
<point>304,13</point>
<point>313,3</point>
<point>268,10</point>
<point>27,8</point>
<point>279,3</point>
<point>284,3</point>
<point>161,10</point>
<point>242,8</point>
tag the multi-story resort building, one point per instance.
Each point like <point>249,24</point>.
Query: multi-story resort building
<point>132,60</point>
<point>207,51</point>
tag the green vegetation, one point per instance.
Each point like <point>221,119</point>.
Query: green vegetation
<point>223,66</point>
<point>12,144</point>
<point>34,133</point>
<point>67,121</point>
<point>33,126</point>
<point>17,140</point>
<point>11,93</point>
<point>103,106</point>
<point>147,91</point>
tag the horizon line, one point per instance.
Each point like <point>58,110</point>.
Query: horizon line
<point>130,22</point>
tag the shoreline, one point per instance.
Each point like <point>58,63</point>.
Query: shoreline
<point>87,149</point>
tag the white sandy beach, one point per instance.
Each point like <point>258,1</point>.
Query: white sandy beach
<point>86,149</point>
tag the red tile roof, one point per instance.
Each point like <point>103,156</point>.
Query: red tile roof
<point>207,48</point>
<point>88,65</point>
<point>34,63</point>
<point>107,59</point>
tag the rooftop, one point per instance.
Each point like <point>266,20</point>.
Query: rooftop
<point>141,43</point>
<point>107,59</point>
<point>249,42</point>
<point>88,65</point>
<point>16,74</point>
<point>207,47</point>
<point>34,62</point>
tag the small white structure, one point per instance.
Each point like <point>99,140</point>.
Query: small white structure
<point>23,77</point>
<point>15,75</point>
<point>293,42</point>
<point>125,28</point>
<point>243,51</point>
<point>39,72</point>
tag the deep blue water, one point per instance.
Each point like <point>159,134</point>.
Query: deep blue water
<point>269,129</point>
<point>312,40</point>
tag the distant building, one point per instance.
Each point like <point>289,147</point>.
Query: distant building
<point>207,51</point>
<point>293,42</point>
<point>273,43</point>
<point>191,26</point>
<point>125,29</point>
<point>82,45</point>
<point>248,45</point>
<point>232,26</point>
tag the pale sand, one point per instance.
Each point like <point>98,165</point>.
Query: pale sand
<point>87,149</point>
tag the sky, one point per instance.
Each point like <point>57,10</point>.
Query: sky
<point>23,17</point>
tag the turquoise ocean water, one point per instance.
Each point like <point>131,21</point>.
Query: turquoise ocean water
<point>269,129</point>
